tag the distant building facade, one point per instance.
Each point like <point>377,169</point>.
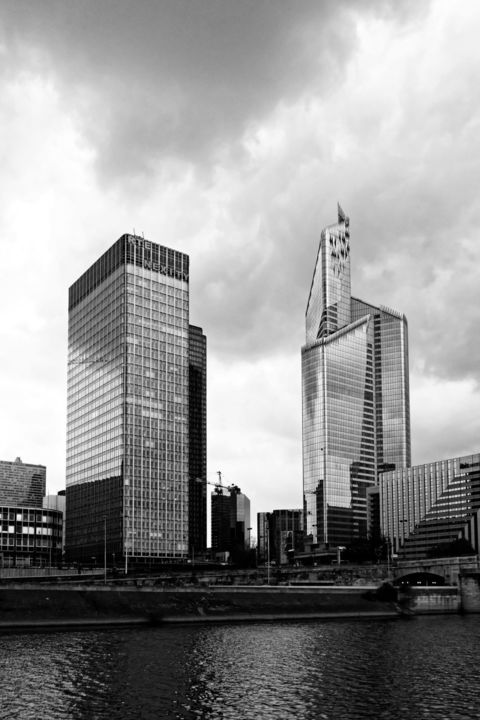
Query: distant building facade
<point>263,537</point>
<point>279,536</point>
<point>128,406</point>
<point>30,536</point>
<point>221,521</point>
<point>355,396</point>
<point>427,509</point>
<point>230,521</point>
<point>240,521</point>
<point>197,454</point>
<point>22,483</point>
<point>57,502</point>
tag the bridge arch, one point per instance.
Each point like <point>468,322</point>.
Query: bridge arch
<point>420,578</point>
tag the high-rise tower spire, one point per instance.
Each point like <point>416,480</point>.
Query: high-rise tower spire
<point>328,307</point>
<point>355,395</point>
<point>341,215</point>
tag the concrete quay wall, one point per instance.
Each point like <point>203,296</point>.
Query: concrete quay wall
<point>53,606</point>
<point>39,606</point>
<point>439,600</point>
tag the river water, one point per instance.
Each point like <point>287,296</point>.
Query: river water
<point>425,667</point>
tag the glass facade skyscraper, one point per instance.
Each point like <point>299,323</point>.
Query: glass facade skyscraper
<point>128,405</point>
<point>355,396</point>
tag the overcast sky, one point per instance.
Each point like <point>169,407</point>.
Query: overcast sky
<point>228,129</point>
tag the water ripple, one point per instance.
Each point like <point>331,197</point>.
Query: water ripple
<point>425,668</point>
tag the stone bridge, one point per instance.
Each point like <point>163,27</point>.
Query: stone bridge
<point>447,568</point>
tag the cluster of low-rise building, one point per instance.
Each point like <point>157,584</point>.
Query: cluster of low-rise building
<point>31,522</point>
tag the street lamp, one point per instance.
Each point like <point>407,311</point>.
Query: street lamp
<point>104,549</point>
<point>389,545</point>
<point>125,539</point>
<point>268,552</point>
<point>268,560</point>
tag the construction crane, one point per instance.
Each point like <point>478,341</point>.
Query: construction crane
<point>219,487</point>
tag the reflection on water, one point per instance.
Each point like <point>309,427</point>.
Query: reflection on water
<point>423,668</point>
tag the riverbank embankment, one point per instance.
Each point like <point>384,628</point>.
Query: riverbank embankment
<point>36,606</point>
<point>40,606</point>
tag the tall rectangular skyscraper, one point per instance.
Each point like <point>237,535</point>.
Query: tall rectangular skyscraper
<point>355,396</point>
<point>128,405</point>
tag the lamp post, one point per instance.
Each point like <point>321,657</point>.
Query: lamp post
<point>402,523</point>
<point>104,549</point>
<point>249,533</point>
<point>312,549</point>
<point>268,552</point>
<point>268,547</point>
<point>125,540</point>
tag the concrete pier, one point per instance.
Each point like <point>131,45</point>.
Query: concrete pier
<point>469,584</point>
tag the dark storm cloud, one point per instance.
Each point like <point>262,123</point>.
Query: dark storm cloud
<point>416,217</point>
<point>229,129</point>
<point>177,78</point>
<point>161,80</point>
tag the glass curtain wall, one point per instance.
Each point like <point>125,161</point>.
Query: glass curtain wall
<point>95,429</point>
<point>156,415</point>
<point>338,433</point>
<point>392,393</point>
<point>355,396</point>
